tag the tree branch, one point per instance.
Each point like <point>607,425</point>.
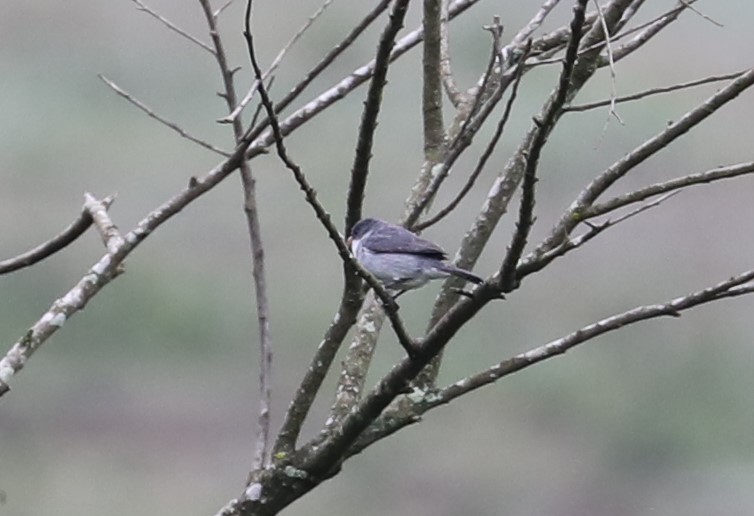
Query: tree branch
<point>238,108</point>
<point>484,157</point>
<point>733,287</point>
<point>507,280</point>
<point>654,91</point>
<point>259,275</point>
<point>603,181</point>
<point>292,423</point>
<point>172,125</point>
<point>265,137</point>
<point>672,185</point>
<point>74,230</point>
<point>730,288</point>
<point>108,231</point>
<point>172,26</point>
<point>368,124</point>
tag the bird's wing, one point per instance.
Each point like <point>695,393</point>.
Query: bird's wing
<point>395,239</point>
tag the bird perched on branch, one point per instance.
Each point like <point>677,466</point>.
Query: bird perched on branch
<point>400,259</point>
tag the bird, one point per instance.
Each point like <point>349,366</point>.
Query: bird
<point>398,258</point>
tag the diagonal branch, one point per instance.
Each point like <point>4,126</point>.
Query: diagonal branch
<point>730,288</point>
<point>108,231</point>
<point>368,124</point>
<point>239,107</point>
<point>669,186</point>
<point>74,230</point>
<point>484,157</point>
<point>530,265</point>
<point>172,26</point>
<point>525,221</point>
<point>654,91</point>
<point>172,125</point>
<point>264,137</point>
<point>736,286</point>
<point>603,181</point>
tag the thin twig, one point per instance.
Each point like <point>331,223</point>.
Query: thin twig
<point>220,9</point>
<point>175,127</point>
<point>532,265</point>
<point>55,244</point>
<point>611,63</point>
<point>526,211</point>
<point>172,26</point>
<point>264,137</point>
<point>324,63</point>
<point>486,154</point>
<point>709,176</point>
<point>653,26</point>
<point>448,81</point>
<point>697,11</point>
<point>570,218</point>
<point>468,122</point>
<point>235,113</point>
<point>651,30</point>
<point>251,211</point>
<point>655,91</point>
<point>368,123</point>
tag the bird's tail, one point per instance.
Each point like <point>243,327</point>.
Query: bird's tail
<point>462,273</point>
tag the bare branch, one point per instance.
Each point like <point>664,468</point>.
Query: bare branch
<point>526,32</point>
<point>291,425</point>
<point>468,122</point>
<point>448,81</point>
<point>55,244</point>
<point>424,402</point>
<point>547,45</point>
<point>526,211</point>
<point>432,78</point>
<point>236,111</point>
<point>645,35</point>
<point>669,186</point>
<point>220,9</point>
<point>107,267</point>
<point>655,91</point>
<point>264,137</point>
<point>697,11</point>
<point>172,26</point>
<point>611,63</point>
<point>356,363</point>
<point>251,211</point>
<point>319,67</point>
<point>730,288</point>
<point>110,234</point>
<point>175,127</point>
<point>586,198</point>
<point>482,162</point>
<point>531,265</point>
<point>368,124</point>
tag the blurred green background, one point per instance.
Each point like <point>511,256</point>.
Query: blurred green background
<point>145,402</point>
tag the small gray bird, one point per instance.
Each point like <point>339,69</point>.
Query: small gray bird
<point>400,259</point>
